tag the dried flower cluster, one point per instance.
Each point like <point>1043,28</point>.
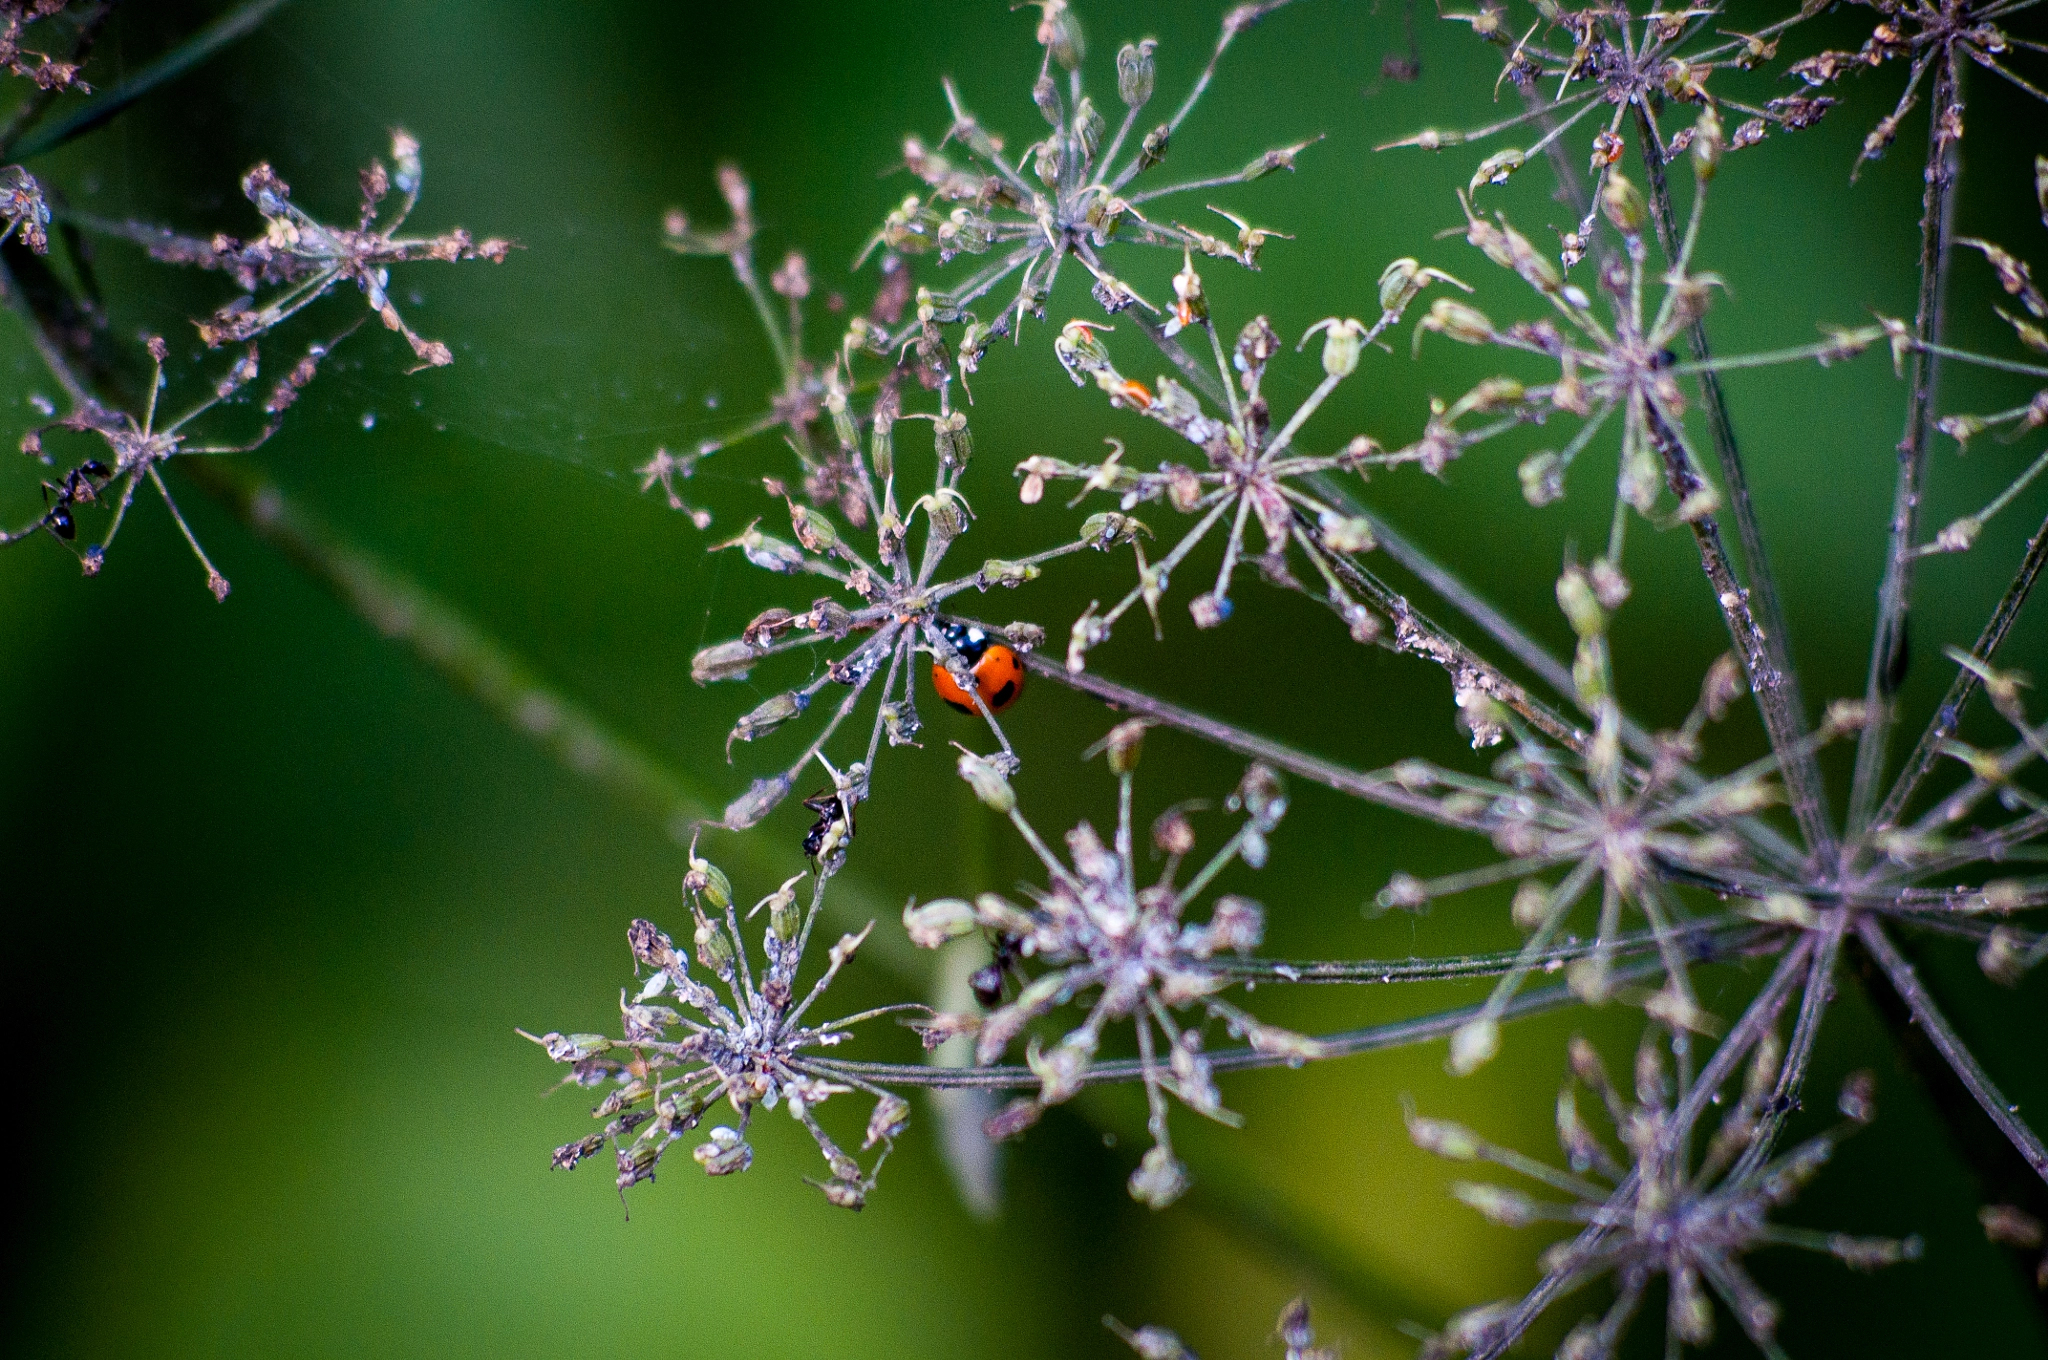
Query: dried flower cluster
<point>1693,864</point>
<point>1638,858</point>
<point>669,1067</point>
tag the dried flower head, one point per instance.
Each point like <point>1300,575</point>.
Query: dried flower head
<point>309,259</point>
<point>1928,35</point>
<point>1629,811</point>
<point>137,447</point>
<point>1625,364</point>
<point>798,408</point>
<point>48,72</point>
<point>670,1066</point>
<point>1251,472</point>
<point>1650,1211</point>
<point>1606,59</point>
<point>898,605</point>
<point>1092,929</point>
<point>1081,202</point>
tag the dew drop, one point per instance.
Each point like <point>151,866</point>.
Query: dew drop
<point>42,404</point>
<point>711,401</point>
<point>369,420</point>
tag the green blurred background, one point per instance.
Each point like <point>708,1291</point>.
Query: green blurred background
<point>276,894</point>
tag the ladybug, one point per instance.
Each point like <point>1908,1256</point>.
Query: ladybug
<point>998,674</point>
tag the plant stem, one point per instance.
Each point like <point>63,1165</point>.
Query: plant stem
<point>1790,737</point>
<point>1905,981</point>
<point>1889,649</point>
<point>1771,674</point>
<point>1964,687</point>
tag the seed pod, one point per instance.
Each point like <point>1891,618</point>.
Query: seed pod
<point>757,802</point>
<point>1342,340</point>
<point>1159,1180</point>
<point>1622,204</point>
<point>1542,477</point>
<point>988,782</point>
<point>886,1124</point>
<point>1346,533</point>
<point>1134,73</point>
<point>714,946</point>
<point>1473,1045</point>
<point>1449,317</point>
<point>769,554</point>
<point>724,1154</point>
<point>1496,168</point>
<point>708,882</point>
<point>1580,605</point>
<point>722,661</point>
<point>1708,144</point>
<point>1108,529</point>
<point>937,921</point>
<point>1452,1141</point>
<point>1153,149</point>
<point>952,440</point>
<point>1509,1208</point>
<point>784,920</point>
<point>766,716</point>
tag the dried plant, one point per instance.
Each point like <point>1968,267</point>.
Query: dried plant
<point>305,259</point>
<point>1696,864</point>
<point>668,1068</point>
<point>1747,867</point>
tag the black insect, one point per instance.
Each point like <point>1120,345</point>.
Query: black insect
<point>831,812</point>
<point>81,486</point>
<point>987,982</point>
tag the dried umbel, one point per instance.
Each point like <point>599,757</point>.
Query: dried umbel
<point>1251,473</point>
<point>137,446</point>
<point>1079,199</point>
<point>1646,1208</point>
<point>751,1048</point>
<point>1695,863</point>
<point>1934,38</point>
<point>1618,368</point>
<point>1607,66</point>
<point>48,72</point>
<point>799,406</point>
<point>305,259</point>
<point>1093,931</point>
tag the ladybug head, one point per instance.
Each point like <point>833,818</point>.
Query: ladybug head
<point>966,639</point>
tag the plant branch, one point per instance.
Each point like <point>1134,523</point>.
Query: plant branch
<point>1784,709</point>
<point>1905,981</point>
<point>1964,687</point>
<point>1890,646</point>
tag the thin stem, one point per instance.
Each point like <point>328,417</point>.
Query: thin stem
<point>1906,982</point>
<point>1775,691</point>
<point>1966,684</point>
<point>1889,646</point>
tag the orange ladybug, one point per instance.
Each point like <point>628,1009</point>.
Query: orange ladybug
<point>998,674</point>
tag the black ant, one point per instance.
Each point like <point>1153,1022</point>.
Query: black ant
<point>831,812</point>
<point>987,982</point>
<point>81,486</point>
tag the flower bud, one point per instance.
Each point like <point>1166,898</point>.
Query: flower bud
<point>1124,744</point>
<point>1496,168</point>
<point>1622,204</point>
<point>1134,73</point>
<point>1159,1179</point>
<point>988,782</point>
<point>1473,1045</point>
<point>1445,1139</point>
<point>725,1153</point>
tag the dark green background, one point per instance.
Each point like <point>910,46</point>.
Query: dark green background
<point>275,896</point>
